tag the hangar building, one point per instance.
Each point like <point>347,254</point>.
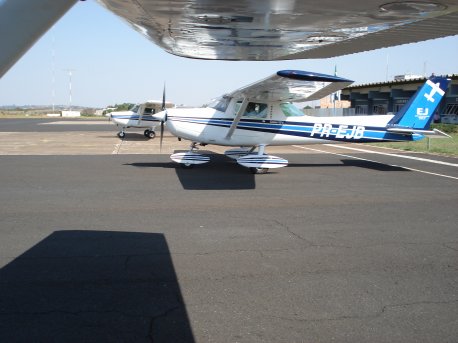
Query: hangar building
<point>386,97</point>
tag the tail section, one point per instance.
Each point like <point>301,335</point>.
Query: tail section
<point>418,112</point>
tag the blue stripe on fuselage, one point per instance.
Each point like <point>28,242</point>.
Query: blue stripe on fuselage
<point>135,117</point>
<point>301,129</point>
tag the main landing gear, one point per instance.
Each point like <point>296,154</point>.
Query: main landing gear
<point>148,133</point>
<point>190,158</point>
<point>256,161</point>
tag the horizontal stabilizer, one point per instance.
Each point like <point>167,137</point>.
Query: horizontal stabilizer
<point>407,131</point>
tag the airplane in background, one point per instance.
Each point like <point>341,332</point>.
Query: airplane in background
<point>262,114</point>
<point>252,30</point>
<point>139,116</point>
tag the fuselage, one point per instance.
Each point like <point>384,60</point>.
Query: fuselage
<point>276,124</point>
<point>126,119</point>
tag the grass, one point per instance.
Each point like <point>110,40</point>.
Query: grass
<point>444,146</point>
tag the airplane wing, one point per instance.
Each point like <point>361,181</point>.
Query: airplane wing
<point>246,30</point>
<point>285,29</point>
<point>293,86</point>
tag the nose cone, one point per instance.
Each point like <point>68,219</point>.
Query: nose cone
<point>161,116</point>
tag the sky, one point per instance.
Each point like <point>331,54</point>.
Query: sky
<point>112,63</point>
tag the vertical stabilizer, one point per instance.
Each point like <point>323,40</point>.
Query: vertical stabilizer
<point>418,112</point>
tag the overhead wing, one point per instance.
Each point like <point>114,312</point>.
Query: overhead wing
<point>285,29</point>
<point>246,30</point>
<point>293,86</point>
<point>22,22</point>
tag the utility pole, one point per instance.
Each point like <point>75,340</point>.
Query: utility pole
<point>53,66</point>
<point>70,71</point>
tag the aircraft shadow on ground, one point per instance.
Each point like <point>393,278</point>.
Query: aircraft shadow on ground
<point>135,137</point>
<point>221,173</point>
<point>93,286</point>
<point>352,163</point>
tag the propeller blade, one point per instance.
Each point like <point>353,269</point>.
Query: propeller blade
<point>162,136</point>
<point>162,131</point>
<point>163,98</point>
<point>164,120</point>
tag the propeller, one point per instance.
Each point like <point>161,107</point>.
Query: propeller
<point>163,108</point>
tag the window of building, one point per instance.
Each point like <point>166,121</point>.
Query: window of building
<point>361,109</point>
<point>453,89</point>
<point>451,109</point>
<point>399,104</point>
<point>379,109</point>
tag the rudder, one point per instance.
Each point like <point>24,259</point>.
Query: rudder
<point>418,112</point>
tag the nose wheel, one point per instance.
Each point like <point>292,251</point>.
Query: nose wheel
<point>121,134</point>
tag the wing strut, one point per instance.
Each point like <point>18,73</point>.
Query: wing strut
<point>237,118</point>
<point>141,110</point>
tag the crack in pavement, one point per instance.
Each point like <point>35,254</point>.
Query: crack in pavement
<point>367,316</point>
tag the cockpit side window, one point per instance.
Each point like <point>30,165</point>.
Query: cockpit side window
<point>256,110</point>
<point>134,109</point>
<point>289,110</point>
<point>149,110</point>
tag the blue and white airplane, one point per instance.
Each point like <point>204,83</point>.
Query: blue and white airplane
<point>140,117</point>
<point>262,114</point>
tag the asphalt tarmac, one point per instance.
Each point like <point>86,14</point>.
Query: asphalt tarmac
<point>103,240</point>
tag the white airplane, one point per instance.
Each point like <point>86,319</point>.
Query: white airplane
<point>246,30</point>
<point>139,116</point>
<point>262,114</point>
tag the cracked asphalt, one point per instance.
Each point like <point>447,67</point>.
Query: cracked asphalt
<point>131,248</point>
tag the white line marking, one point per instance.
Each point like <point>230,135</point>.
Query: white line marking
<point>76,122</point>
<point>365,159</point>
<point>117,147</point>
<point>396,155</point>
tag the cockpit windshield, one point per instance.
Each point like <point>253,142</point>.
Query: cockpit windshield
<point>134,108</point>
<point>289,110</point>
<point>220,104</point>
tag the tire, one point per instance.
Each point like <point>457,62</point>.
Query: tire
<point>259,170</point>
<point>121,134</point>
<point>149,133</point>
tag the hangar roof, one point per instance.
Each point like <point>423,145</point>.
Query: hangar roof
<point>394,83</point>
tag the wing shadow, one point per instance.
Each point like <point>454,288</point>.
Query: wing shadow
<point>93,286</point>
<point>221,173</point>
